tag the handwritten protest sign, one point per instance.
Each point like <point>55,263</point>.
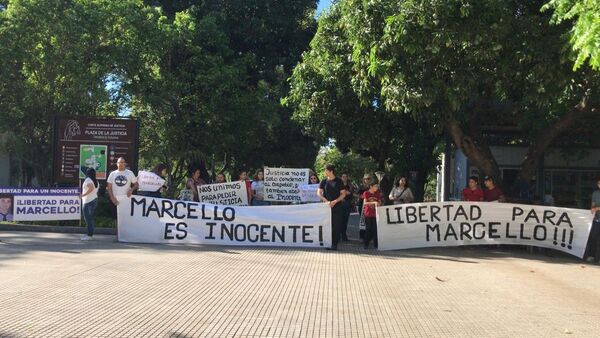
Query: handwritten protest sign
<point>149,181</point>
<point>281,184</point>
<point>231,193</point>
<point>308,193</point>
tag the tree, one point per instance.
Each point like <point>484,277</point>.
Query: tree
<point>216,92</point>
<point>585,33</point>
<point>324,96</point>
<point>58,58</point>
<point>466,64</point>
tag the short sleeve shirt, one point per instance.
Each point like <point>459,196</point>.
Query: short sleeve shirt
<point>472,195</point>
<point>332,188</point>
<point>370,210</point>
<point>492,195</point>
<point>121,182</point>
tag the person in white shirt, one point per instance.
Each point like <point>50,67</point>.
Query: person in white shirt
<point>120,184</point>
<point>89,200</point>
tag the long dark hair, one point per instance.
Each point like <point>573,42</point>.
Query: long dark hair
<point>159,168</point>
<point>91,173</point>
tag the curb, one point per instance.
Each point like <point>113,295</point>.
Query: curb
<point>57,229</point>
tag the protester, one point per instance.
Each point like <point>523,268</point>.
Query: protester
<point>385,187</point>
<point>331,191</point>
<point>366,183</point>
<point>258,189</point>
<point>371,200</point>
<point>161,171</point>
<point>89,200</point>
<point>220,178</point>
<point>194,181</point>
<point>347,204</point>
<point>120,184</point>
<point>492,193</point>
<point>592,251</point>
<point>472,193</point>
<point>243,176</point>
<point>6,204</point>
<point>313,178</point>
<point>401,192</point>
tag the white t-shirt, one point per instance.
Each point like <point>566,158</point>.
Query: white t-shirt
<point>91,196</point>
<point>259,188</point>
<point>121,182</point>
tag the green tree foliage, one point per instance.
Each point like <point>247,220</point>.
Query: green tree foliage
<point>216,92</point>
<point>57,59</point>
<point>585,33</point>
<point>330,103</point>
<point>355,165</point>
<point>463,64</point>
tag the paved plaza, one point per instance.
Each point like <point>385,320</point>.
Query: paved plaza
<point>54,285</point>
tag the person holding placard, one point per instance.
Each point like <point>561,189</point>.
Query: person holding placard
<point>258,189</point>
<point>89,200</point>
<point>194,181</point>
<point>243,176</point>
<point>331,191</point>
<point>401,192</point>
<point>120,184</point>
<point>371,200</point>
<point>159,170</point>
<point>220,178</point>
<point>472,193</point>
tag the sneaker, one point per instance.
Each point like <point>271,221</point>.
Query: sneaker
<point>86,238</point>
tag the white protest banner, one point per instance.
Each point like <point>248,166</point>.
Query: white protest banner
<point>231,193</point>
<point>308,192</point>
<point>281,184</point>
<point>40,204</point>
<point>149,181</point>
<point>155,220</point>
<point>420,225</point>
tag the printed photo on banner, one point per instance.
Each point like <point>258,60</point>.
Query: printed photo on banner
<point>92,156</point>
<point>155,220</point>
<point>229,193</point>
<point>282,184</point>
<point>308,193</point>
<point>39,204</point>
<point>6,207</point>
<point>149,181</point>
<point>421,225</point>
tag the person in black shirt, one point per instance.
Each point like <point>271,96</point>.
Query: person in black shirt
<point>331,191</point>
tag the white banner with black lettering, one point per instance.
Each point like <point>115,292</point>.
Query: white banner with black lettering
<point>420,225</point>
<point>281,184</point>
<point>231,193</point>
<point>156,220</point>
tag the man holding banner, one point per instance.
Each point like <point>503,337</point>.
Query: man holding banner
<point>331,191</point>
<point>120,184</point>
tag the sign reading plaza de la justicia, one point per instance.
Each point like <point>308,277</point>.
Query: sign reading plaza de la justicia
<point>92,142</point>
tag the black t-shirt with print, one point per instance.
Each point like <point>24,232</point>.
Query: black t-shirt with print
<point>332,189</point>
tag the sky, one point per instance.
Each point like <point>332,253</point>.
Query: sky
<point>323,4</point>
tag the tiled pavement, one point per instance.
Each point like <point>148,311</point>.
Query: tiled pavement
<point>53,285</point>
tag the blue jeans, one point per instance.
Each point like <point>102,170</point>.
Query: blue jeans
<point>88,215</point>
<point>256,202</point>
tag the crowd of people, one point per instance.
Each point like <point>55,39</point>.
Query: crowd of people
<point>339,193</point>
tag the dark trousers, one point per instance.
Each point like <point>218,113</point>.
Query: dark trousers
<point>370,231</point>
<point>593,244</point>
<point>88,215</point>
<point>344,225</point>
<point>337,218</point>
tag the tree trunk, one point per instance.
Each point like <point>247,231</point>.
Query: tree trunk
<point>477,150</point>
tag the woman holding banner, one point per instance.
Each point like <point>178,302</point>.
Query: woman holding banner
<point>194,181</point>
<point>401,193</point>
<point>243,176</point>
<point>89,200</point>
<point>258,189</point>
